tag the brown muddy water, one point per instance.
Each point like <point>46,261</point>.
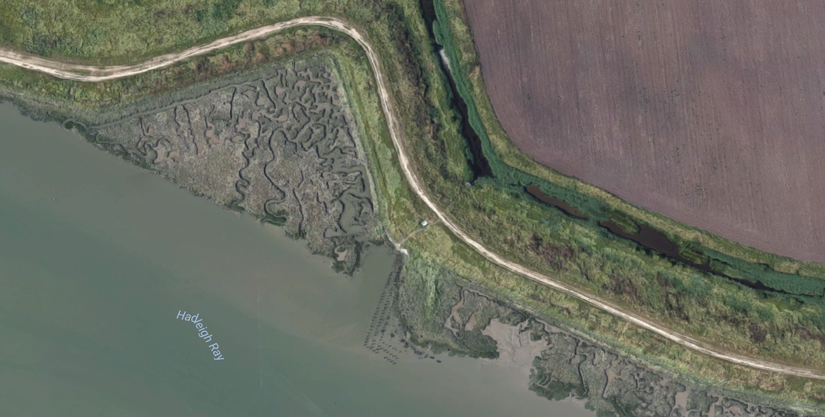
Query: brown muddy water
<point>656,240</point>
<point>98,256</point>
<point>535,191</point>
<point>646,236</point>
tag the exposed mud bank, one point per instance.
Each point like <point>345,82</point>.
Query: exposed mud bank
<point>427,311</point>
<point>280,145</point>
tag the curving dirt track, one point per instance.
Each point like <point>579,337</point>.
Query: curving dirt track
<point>97,74</point>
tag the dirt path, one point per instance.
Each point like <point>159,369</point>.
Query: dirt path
<point>96,74</point>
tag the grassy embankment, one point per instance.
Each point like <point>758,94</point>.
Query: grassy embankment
<point>506,220</point>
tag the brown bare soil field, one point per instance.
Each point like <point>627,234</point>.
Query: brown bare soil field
<point>709,112</point>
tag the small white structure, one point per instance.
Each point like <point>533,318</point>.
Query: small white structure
<point>424,223</point>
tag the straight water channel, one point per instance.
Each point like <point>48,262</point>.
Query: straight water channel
<point>96,258</point>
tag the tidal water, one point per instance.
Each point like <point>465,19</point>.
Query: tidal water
<point>98,256</point>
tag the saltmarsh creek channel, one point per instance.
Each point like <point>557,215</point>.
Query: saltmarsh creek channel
<point>98,256</point>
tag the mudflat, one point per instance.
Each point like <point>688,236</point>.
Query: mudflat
<point>711,113</point>
<point>281,147</point>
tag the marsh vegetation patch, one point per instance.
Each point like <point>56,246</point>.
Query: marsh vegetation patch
<point>282,148</point>
<point>442,312</point>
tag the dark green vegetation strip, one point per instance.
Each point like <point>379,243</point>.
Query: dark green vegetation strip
<point>504,176</point>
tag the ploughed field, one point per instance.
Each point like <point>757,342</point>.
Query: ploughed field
<point>709,112</point>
